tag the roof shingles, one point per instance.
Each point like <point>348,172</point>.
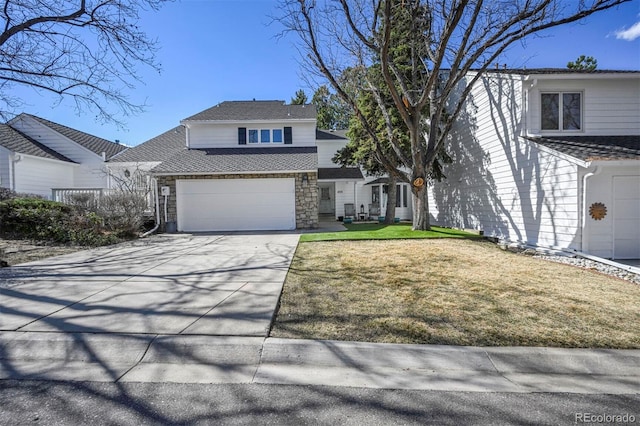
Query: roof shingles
<point>239,160</point>
<point>17,141</point>
<point>160,148</point>
<point>93,143</point>
<point>255,110</point>
<point>593,148</point>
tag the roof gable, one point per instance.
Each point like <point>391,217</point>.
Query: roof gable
<point>93,143</point>
<point>18,142</point>
<point>255,110</point>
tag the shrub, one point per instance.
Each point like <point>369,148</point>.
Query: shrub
<point>8,194</point>
<point>46,220</point>
<point>34,218</point>
<point>86,201</point>
<point>123,212</point>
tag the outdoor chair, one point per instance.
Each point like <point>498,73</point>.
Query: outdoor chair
<point>374,211</point>
<point>349,211</point>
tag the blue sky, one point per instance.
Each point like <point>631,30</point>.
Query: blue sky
<point>217,50</point>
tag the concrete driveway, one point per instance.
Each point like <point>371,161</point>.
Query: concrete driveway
<point>168,285</point>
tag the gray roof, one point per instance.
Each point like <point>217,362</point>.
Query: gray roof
<point>240,160</point>
<point>255,110</point>
<point>17,141</point>
<point>382,180</point>
<point>160,148</point>
<point>91,142</point>
<point>331,134</point>
<point>593,148</point>
<point>334,173</point>
<point>542,71</point>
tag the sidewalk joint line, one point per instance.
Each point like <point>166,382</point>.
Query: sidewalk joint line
<point>67,306</point>
<point>213,307</point>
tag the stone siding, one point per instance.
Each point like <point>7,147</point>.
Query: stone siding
<point>306,194</point>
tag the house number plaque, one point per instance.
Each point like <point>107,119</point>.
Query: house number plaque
<point>598,211</point>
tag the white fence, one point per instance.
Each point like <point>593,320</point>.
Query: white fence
<point>91,197</point>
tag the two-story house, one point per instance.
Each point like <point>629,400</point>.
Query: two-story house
<point>239,165</point>
<point>549,158</point>
<point>38,156</point>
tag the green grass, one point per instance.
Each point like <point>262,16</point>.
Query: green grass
<point>375,231</point>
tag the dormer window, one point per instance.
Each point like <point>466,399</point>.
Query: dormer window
<point>561,111</point>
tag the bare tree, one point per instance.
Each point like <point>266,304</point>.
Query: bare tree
<point>442,41</point>
<point>86,50</point>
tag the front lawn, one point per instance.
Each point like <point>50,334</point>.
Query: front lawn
<point>454,292</point>
<point>375,231</point>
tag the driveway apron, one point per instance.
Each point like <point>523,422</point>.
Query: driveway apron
<point>224,284</point>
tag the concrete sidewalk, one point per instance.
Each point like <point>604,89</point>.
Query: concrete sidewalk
<point>220,359</point>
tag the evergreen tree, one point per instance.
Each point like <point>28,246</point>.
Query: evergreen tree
<point>300,98</point>
<point>585,63</point>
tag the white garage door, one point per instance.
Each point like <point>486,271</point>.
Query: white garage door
<point>626,219</point>
<point>236,204</point>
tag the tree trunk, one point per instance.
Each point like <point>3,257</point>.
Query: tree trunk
<point>421,208</point>
<point>390,212</point>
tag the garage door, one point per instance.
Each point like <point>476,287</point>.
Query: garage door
<point>235,204</point>
<point>626,219</point>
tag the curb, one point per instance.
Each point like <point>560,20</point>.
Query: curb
<point>234,359</point>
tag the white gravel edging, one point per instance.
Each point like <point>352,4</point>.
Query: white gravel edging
<point>591,264</point>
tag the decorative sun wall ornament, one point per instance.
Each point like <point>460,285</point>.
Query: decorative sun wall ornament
<point>598,211</point>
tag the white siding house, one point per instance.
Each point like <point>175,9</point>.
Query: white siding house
<point>535,151</point>
<point>239,165</point>
<point>38,156</point>
<point>35,175</point>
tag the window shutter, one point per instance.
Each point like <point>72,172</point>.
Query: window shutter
<point>242,135</point>
<point>288,139</point>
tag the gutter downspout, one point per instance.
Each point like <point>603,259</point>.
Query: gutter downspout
<point>15,160</point>
<point>155,228</point>
<point>585,234</point>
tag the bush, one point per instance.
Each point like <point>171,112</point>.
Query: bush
<point>40,219</point>
<point>86,201</point>
<point>34,218</point>
<point>8,194</point>
<point>123,212</point>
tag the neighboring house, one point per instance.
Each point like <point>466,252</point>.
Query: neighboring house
<point>549,158</point>
<point>38,156</point>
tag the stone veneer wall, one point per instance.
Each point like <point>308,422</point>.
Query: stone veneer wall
<point>306,194</point>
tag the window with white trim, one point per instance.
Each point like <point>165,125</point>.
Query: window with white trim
<point>265,136</point>
<point>561,111</point>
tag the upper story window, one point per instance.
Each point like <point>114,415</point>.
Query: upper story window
<point>561,111</point>
<point>255,136</point>
<point>265,135</point>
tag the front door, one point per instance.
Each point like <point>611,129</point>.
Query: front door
<point>327,200</point>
